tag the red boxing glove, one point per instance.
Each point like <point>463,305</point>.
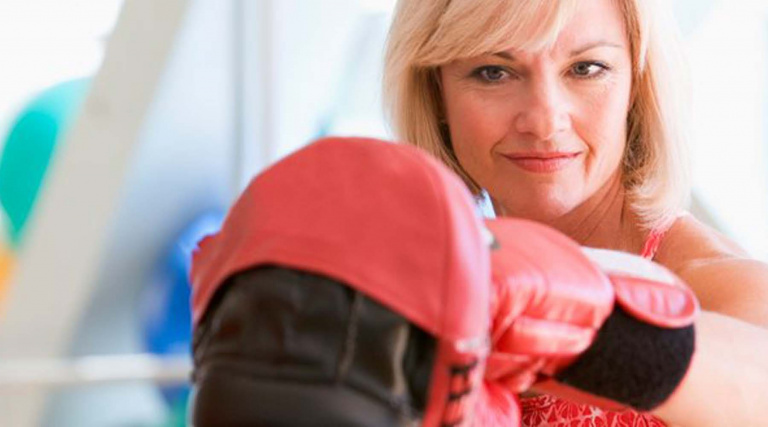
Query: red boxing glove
<point>644,349</point>
<point>554,318</point>
<point>383,222</point>
<point>550,300</point>
<point>647,290</point>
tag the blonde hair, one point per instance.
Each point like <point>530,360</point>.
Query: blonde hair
<point>426,34</point>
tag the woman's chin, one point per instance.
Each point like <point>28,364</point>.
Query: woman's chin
<point>547,213</point>
<point>543,203</point>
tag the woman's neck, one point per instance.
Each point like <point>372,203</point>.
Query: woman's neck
<point>605,220</point>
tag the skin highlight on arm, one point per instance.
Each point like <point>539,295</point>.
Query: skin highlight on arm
<point>721,274</point>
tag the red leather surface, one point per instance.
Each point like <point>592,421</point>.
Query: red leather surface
<point>549,301</point>
<point>383,217</point>
<point>647,290</point>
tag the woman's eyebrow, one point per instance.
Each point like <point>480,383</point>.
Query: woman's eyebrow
<point>592,45</point>
<point>577,51</point>
<point>504,55</point>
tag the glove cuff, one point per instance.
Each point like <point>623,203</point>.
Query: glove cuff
<point>632,362</point>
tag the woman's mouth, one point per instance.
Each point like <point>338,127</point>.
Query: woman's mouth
<point>543,162</point>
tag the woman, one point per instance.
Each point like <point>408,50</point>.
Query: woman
<point>564,111</point>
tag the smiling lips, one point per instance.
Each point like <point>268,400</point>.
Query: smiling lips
<point>542,162</point>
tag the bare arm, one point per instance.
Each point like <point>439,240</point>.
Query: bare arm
<point>727,384</point>
<point>733,286</point>
<point>721,273</point>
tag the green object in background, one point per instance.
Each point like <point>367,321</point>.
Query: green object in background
<point>29,147</point>
<point>178,413</point>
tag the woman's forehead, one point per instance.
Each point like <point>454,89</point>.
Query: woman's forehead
<point>564,26</point>
<point>593,22</point>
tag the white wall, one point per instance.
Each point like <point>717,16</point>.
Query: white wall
<point>727,44</point>
<point>318,69</point>
<point>38,48</point>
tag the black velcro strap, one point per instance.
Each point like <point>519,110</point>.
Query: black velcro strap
<point>633,362</point>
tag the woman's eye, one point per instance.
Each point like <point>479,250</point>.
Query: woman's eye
<point>491,74</point>
<point>588,69</point>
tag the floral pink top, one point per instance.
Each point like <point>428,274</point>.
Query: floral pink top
<point>551,411</point>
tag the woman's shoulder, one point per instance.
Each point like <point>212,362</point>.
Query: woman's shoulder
<point>689,241</point>
<point>721,273</point>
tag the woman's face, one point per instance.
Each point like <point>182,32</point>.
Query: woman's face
<point>543,131</point>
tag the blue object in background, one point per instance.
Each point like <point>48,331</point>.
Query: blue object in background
<point>165,314</point>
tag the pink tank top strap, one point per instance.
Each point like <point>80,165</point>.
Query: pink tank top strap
<point>653,241</point>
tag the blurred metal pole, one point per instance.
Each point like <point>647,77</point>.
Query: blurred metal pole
<point>255,74</point>
<point>238,95</point>
<point>93,370</point>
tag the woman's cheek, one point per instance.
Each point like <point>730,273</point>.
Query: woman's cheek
<point>477,127</point>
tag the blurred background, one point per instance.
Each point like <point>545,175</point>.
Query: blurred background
<point>142,120</point>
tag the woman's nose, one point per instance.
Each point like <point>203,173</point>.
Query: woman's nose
<point>545,111</point>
